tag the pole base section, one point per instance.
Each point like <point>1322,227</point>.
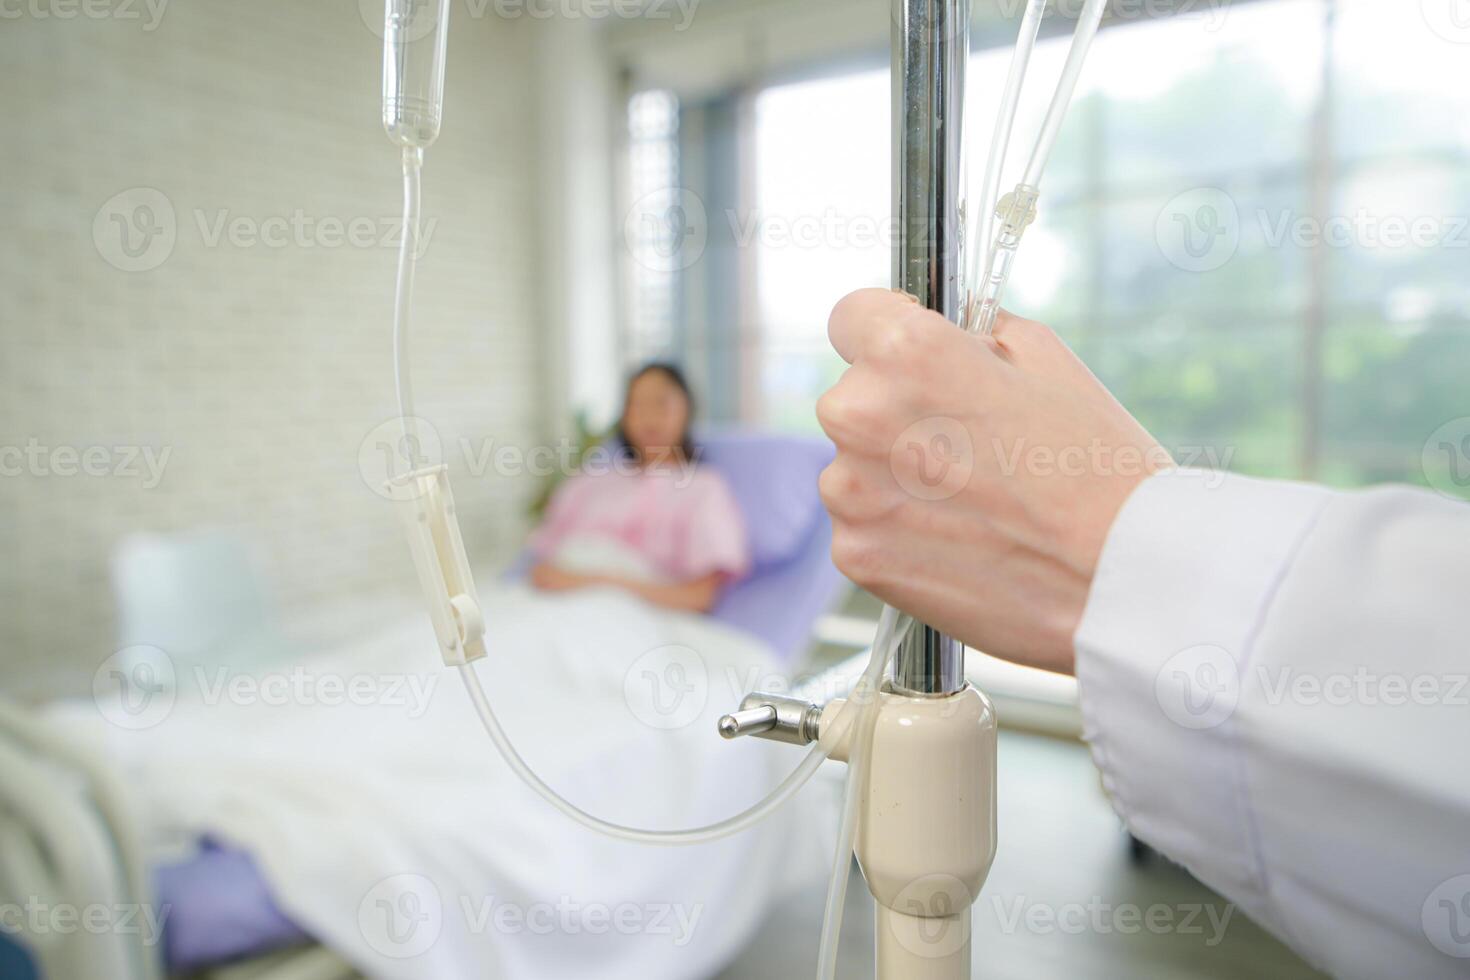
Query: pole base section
<point>923,948</point>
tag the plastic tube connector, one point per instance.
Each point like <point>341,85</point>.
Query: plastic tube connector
<point>1016,211</point>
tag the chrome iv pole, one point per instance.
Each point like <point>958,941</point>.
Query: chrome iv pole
<point>926,832</point>
<point>930,47</point>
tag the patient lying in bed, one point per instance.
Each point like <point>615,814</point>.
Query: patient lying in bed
<point>646,517</point>
<point>329,811</point>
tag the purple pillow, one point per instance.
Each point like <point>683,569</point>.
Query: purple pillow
<point>774,480</point>
<point>220,909</point>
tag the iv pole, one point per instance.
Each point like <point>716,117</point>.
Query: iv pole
<point>926,819</point>
<point>927,837</point>
<point>930,45</point>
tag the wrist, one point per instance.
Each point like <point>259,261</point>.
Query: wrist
<point>1057,617</point>
<point>1084,540</point>
<point>1098,506</point>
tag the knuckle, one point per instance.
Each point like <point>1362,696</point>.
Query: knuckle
<point>832,410</point>
<point>847,412</point>
<point>909,338</point>
<point>845,308</point>
<point>924,331</point>
<point>887,345</point>
<point>896,340</point>
<point>841,490</point>
<point>826,485</point>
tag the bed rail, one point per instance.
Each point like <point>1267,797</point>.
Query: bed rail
<point>73,886</point>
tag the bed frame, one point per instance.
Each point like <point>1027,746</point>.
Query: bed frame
<point>67,842</point>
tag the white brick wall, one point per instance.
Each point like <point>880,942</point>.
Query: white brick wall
<point>259,368</point>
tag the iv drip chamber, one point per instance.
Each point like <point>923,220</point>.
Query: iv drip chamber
<point>415,36</point>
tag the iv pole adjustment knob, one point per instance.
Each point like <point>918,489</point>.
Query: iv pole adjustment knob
<point>751,721</point>
<point>775,717</point>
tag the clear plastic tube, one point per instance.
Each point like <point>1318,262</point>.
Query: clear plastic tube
<point>415,33</point>
<point>891,626</point>
<point>408,248</point>
<point>982,234</point>
<point>1056,113</point>
<point>999,248</point>
<point>877,661</point>
<point>415,43</point>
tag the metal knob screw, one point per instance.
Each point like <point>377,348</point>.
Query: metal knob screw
<point>751,721</point>
<point>773,716</point>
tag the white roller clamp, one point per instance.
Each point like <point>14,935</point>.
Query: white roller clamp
<point>427,507</point>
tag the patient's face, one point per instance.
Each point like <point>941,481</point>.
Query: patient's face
<point>656,417</point>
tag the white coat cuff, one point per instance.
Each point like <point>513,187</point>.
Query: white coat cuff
<point>1186,575</point>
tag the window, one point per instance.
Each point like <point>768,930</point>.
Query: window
<point>1255,229</point>
<point>653,235</point>
<point>819,228</point>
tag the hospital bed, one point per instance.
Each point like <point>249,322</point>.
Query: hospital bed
<point>221,910</point>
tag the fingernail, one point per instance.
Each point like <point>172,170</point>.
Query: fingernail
<point>905,294</point>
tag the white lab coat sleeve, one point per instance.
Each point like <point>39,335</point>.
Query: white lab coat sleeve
<point>1275,684</point>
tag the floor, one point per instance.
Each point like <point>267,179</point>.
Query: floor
<point>1064,868</point>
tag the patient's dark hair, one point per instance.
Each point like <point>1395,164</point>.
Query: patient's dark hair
<point>671,371</point>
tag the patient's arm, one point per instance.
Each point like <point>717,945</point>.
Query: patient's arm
<point>695,595</point>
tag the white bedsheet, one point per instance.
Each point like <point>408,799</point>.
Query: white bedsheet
<point>390,829</point>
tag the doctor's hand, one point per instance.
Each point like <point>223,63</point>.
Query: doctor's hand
<point>976,477</point>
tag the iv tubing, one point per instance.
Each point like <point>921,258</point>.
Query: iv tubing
<point>982,304</point>
<point>408,247</point>
<point>891,625</point>
<point>1056,113</point>
<point>877,662</point>
<point>861,708</point>
<point>1000,140</point>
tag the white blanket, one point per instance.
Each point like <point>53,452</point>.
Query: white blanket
<point>389,828</point>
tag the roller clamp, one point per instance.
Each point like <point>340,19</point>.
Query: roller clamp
<point>427,508</point>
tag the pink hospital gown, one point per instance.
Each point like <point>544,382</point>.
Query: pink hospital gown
<point>684,522</point>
